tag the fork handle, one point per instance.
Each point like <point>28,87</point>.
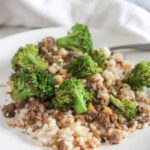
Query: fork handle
<point>145,46</point>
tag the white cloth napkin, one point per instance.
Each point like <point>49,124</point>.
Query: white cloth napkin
<point>115,15</point>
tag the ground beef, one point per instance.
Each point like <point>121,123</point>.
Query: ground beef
<point>66,65</point>
<point>79,117</point>
<point>35,112</point>
<point>47,104</point>
<point>61,145</point>
<point>141,109</point>
<point>47,45</point>
<point>9,110</point>
<point>143,119</point>
<point>20,105</point>
<point>146,119</point>
<point>120,119</point>
<point>113,139</point>
<point>103,139</point>
<point>99,107</point>
<point>104,120</point>
<point>91,116</point>
<point>58,116</point>
<point>130,124</point>
<point>95,100</point>
<point>50,58</point>
<point>72,55</point>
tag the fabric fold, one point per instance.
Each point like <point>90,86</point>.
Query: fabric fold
<point>114,15</point>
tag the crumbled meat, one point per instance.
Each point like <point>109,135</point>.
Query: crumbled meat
<point>104,120</point>
<point>58,116</point>
<point>99,107</point>
<point>103,101</point>
<point>9,110</point>
<point>141,109</point>
<point>91,116</point>
<point>113,139</point>
<point>50,58</point>
<point>103,139</point>
<point>143,120</point>
<point>35,112</point>
<point>72,55</point>
<point>120,119</point>
<point>20,105</point>
<point>79,117</point>
<point>146,119</point>
<point>66,66</point>
<point>61,145</point>
<point>130,124</point>
<point>95,100</point>
<point>43,50</point>
<point>89,86</point>
<point>47,104</point>
<point>47,45</point>
<point>82,148</point>
<point>112,118</point>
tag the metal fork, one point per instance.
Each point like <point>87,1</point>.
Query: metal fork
<point>145,46</point>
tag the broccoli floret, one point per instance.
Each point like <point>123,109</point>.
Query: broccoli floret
<point>78,39</point>
<point>32,83</point>
<point>83,67</point>
<point>71,93</point>
<point>127,107</point>
<point>140,76</point>
<point>99,58</point>
<point>28,57</point>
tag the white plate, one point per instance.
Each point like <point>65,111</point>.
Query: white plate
<point>12,139</point>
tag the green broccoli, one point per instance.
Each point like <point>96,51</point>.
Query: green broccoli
<point>140,76</point>
<point>126,106</point>
<point>71,93</point>
<point>99,58</point>
<point>32,83</point>
<point>83,67</point>
<point>28,57</point>
<point>79,39</point>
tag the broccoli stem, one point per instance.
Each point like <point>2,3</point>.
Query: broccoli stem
<point>127,107</point>
<point>79,105</point>
<point>40,64</point>
<point>116,102</point>
<point>67,42</point>
<point>18,95</point>
<point>99,69</point>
